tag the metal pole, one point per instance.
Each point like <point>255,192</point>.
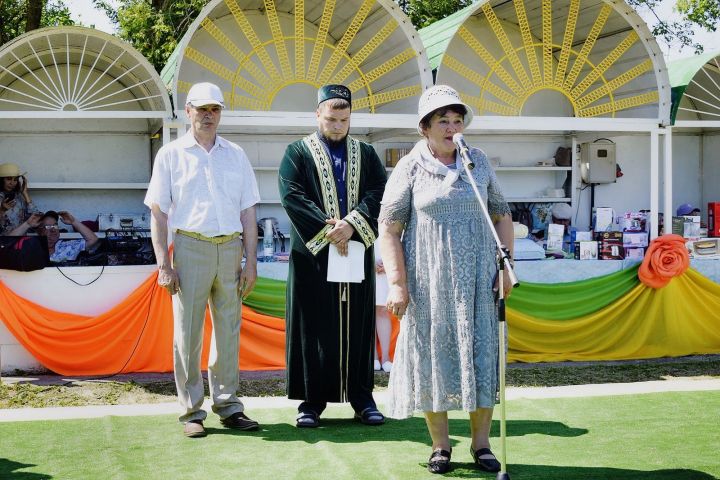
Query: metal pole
<point>504,267</point>
<point>668,177</point>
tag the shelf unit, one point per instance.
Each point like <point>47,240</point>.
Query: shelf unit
<point>87,186</point>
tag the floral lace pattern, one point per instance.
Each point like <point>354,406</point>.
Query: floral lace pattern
<point>14,217</point>
<point>446,353</point>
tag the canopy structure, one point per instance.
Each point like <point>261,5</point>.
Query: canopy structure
<point>696,120</point>
<point>78,72</point>
<point>696,88</point>
<point>81,110</point>
<point>273,55</point>
<point>551,58</point>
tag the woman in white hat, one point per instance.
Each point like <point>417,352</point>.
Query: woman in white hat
<point>439,257</point>
<point>15,203</point>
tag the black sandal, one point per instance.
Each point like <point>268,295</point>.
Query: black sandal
<point>439,461</point>
<point>307,419</point>
<point>486,464</point>
<point>370,416</point>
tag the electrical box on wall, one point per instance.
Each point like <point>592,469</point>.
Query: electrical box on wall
<point>597,162</point>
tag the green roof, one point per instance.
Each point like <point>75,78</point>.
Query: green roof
<point>681,72</point>
<point>437,36</point>
<point>168,71</point>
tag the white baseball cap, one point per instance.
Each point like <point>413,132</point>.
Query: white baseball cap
<point>440,96</point>
<point>205,93</point>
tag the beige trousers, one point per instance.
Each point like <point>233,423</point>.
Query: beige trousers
<point>207,273</point>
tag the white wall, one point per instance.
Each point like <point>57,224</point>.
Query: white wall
<point>711,170</point>
<point>687,170</point>
<point>90,157</point>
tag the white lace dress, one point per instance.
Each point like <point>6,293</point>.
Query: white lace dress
<point>446,352</point>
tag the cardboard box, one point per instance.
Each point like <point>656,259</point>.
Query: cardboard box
<point>586,250</point>
<point>393,155</point>
<point>634,222</point>
<point>635,239</point>
<point>713,219</point>
<point>123,221</point>
<point>555,237</point>
<point>634,253</point>
<point>604,219</point>
<point>678,225</point>
<point>706,247</point>
<point>611,246</point>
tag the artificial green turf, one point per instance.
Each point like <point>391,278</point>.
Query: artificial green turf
<point>660,436</point>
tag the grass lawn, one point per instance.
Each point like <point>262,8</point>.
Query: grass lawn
<point>659,436</point>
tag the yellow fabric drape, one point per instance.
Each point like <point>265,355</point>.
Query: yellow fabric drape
<point>682,318</point>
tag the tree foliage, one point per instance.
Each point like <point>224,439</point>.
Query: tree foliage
<point>425,12</point>
<point>671,32</point>
<point>18,16</point>
<point>153,27</point>
<point>705,13</point>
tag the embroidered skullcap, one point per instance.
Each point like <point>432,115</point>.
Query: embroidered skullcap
<point>334,91</point>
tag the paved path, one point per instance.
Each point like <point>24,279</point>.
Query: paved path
<point>258,403</point>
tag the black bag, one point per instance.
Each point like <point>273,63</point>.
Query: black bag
<point>563,157</point>
<point>25,254</point>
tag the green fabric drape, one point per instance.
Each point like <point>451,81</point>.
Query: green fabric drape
<point>268,297</point>
<point>551,301</point>
<point>564,301</point>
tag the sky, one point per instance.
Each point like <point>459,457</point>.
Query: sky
<point>83,11</point>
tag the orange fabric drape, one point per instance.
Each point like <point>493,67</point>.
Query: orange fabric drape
<point>395,330</point>
<point>134,336</point>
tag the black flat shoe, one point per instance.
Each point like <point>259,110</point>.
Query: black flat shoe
<point>370,416</point>
<point>307,419</point>
<point>487,464</point>
<point>439,462</point>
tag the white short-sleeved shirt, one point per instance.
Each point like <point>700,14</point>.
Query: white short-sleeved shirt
<point>202,192</point>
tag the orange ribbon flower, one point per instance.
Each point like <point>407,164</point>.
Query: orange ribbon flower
<point>667,257</point>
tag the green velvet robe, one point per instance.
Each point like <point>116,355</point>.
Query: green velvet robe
<point>330,327</point>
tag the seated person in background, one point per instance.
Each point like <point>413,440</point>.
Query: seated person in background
<point>686,209</point>
<point>46,225</point>
<point>15,203</point>
<point>562,215</point>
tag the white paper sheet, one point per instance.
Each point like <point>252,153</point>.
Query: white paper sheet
<point>347,269</point>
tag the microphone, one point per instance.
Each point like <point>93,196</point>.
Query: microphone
<point>459,140</point>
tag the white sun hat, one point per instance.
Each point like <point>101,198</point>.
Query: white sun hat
<point>205,93</point>
<point>440,96</point>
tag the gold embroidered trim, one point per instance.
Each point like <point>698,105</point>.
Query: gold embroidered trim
<point>319,241</point>
<point>327,178</point>
<point>353,173</point>
<point>362,227</point>
<point>325,174</point>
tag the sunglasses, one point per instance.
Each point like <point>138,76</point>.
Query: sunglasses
<point>51,227</point>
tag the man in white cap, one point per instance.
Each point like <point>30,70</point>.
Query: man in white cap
<point>203,189</point>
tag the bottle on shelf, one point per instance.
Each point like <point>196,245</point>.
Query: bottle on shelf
<point>268,242</point>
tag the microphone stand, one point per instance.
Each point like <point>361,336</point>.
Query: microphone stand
<point>504,267</point>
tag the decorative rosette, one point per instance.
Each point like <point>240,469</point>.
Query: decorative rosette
<point>666,257</point>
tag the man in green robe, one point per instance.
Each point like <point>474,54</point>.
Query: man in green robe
<point>330,186</point>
